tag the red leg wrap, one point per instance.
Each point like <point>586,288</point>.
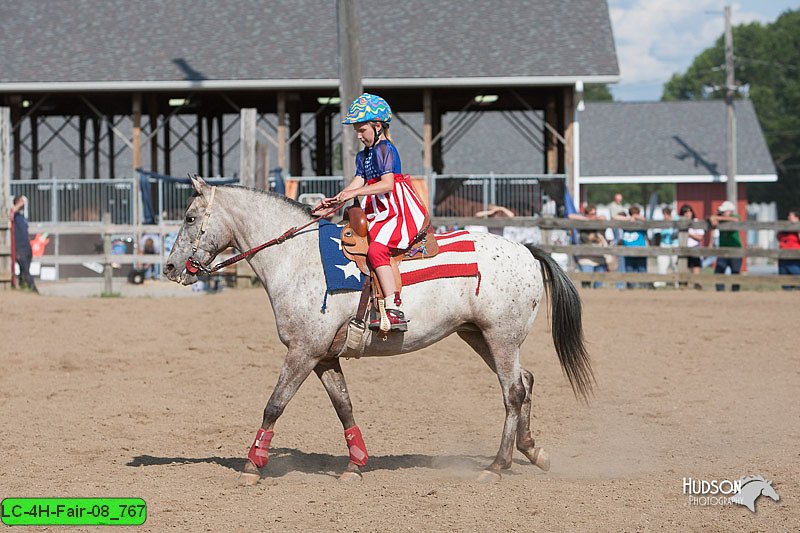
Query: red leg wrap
<point>260,449</point>
<point>356,446</point>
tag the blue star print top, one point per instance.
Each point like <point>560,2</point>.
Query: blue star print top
<point>372,163</point>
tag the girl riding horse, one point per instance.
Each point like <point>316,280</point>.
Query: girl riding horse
<point>395,213</point>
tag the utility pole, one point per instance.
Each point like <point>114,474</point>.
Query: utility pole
<point>349,78</point>
<point>730,90</point>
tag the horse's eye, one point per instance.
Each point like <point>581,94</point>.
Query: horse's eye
<point>189,219</point>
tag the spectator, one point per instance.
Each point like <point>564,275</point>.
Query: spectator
<point>634,238</point>
<point>666,239</point>
<point>22,244</point>
<point>695,240</point>
<point>727,239</point>
<point>790,240</point>
<point>616,206</point>
<point>616,209</point>
<point>591,237</point>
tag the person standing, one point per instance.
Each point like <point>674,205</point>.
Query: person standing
<point>22,244</point>
<point>667,239</point>
<point>634,238</point>
<point>695,240</point>
<point>790,240</point>
<point>727,239</point>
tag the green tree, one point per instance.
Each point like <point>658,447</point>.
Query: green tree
<point>597,92</point>
<point>768,61</point>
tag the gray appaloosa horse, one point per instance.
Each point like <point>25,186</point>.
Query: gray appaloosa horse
<point>494,322</point>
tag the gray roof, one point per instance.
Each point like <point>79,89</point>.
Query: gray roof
<point>685,138</point>
<point>47,41</point>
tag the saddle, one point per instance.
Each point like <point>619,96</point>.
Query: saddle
<point>355,242</point>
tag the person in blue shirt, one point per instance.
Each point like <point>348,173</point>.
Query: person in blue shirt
<point>667,238</point>
<point>634,238</point>
<point>22,244</point>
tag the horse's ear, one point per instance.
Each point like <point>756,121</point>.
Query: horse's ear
<point>199,184</point>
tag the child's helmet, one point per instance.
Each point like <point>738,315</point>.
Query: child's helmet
<point>368,108</point>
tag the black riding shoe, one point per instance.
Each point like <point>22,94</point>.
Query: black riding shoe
<point>397,321</point>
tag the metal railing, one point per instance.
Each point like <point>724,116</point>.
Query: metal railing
<point>77,200</point>
<point>467,194</point>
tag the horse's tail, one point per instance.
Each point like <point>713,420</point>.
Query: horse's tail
<point>565,305</point>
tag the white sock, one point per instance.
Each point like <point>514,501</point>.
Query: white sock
<point>389,303</point>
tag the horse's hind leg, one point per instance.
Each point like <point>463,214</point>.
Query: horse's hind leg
<point>525,442</point>
<point>330,374</point>
<point>503,358</point>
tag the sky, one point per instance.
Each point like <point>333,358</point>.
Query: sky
<point>657,38</point>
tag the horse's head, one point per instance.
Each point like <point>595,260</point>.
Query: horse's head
<point>768,491</point>
<point>201,237</point>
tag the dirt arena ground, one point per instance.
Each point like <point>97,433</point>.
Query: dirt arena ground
<point>159,398</point>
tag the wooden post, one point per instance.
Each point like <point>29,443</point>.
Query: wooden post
<point>262,166</point>
<point>731,192</point>
<point>247,147</point>
<point>427,133</point>
<point>6,267</point>
<point>5,161</point>
<point>17,136</point>
<point>136,141</point>
<point>34,120</point>
<point>550,140</point>
<point>167,147</point>
<point>296,146</point>
<point>322,133</point>
<point>96,148</point>
<point>221,144</point>
<point>281,133</point>
<point>349,79</point>
<point>569,154</point>
<point>108,271</point>
<point>82,147</point>
<point>111,150</point>
<point>210,144</point>
<point>152,108</point>
<point>200,144</point>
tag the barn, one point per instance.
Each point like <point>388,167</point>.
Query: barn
<point>681,143</point>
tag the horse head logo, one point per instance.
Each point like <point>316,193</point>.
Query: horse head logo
<point>752,488</point>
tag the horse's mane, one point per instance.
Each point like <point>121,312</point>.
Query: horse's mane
<point>748,479</point>
<point>305,208</point>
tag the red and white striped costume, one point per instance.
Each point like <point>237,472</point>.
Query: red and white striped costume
<point>395,218</point>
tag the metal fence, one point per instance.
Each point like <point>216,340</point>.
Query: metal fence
<point>467,194</point>
<point>75,200</point>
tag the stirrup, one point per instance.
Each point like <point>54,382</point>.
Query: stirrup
<point>397,321</point>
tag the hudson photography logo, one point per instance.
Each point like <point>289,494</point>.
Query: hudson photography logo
<point>744,491</point>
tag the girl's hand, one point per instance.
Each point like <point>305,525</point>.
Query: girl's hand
<point>326,202</point>
<point>344,196</point>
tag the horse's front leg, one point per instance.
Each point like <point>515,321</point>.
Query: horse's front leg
<point>296,367</point>
<point>330,374</point>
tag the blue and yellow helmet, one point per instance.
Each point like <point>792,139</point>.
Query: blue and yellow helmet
<point>368,108</point>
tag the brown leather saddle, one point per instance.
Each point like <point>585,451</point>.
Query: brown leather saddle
<point>355,242</point>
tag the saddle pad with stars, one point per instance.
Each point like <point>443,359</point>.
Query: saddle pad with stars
<point>341,274</point>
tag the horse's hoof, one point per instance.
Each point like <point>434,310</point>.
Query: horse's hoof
<point>350,477</point>
<point>541,459</point>
<point>249,479</point>
<point>488,476</point>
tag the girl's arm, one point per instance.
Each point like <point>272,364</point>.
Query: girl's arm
<point>385,185</point>
<point>356,183</point>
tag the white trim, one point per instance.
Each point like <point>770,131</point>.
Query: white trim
<point>699,178</point>
<point>296,83</point>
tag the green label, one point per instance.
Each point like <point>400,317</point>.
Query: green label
<point>73,511</point>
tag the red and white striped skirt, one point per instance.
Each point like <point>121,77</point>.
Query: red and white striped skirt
<point>396,217</point>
